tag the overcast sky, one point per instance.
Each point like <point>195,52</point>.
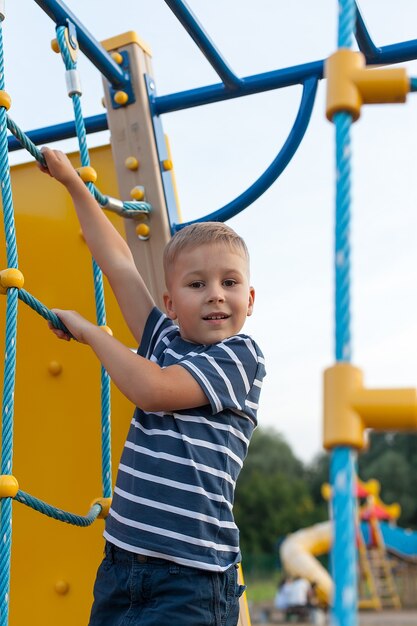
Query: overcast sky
<point>219,150</point>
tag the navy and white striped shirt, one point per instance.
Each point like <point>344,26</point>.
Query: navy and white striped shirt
<point>175,486</point>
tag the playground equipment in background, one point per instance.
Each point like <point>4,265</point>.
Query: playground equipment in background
<point>377,588</point>
<point>60,563</point>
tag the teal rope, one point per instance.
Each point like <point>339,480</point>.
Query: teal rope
<point>106,471</point>
<point>129,208</point>
<point>43,311</point>
<point>10,357</point>
<point>342,465</point>
<point>58,514</point>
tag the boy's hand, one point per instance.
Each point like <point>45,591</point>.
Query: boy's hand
<point>76,324</point>
<point>58,166</point>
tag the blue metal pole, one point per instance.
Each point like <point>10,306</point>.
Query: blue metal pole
<point>204,43</point>
<point>66,130</point>
<point>363,38</point>
<point>295,75</point>
<point>342,467</point>
<point>60,13</point>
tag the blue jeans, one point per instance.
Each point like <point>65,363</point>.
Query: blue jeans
<point>133,590</point>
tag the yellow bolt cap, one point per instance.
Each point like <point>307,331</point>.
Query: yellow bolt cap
<point>11,277</point>
<point>137,193</point>
<point>87,174</point>
<point>117,57</point>
<point>121,97</point>
<point>143,231</point>
<point>8,486</point>
<point>54,368</point>
<point>167,165</point>
<point>5,100</point>
<point>132,163</point>
<point>62,587</point>
<point>105,504</point>
<point>55,45</point>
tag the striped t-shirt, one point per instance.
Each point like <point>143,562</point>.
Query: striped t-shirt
<point>175,485</point>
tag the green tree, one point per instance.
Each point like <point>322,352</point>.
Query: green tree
<point>272,495</point>
<point>392,459</point>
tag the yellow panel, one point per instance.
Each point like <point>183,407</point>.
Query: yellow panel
<point>57,418</point>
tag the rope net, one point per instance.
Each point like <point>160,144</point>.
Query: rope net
<point>11,284</point>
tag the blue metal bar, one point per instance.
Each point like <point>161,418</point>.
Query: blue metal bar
<point>258,83</point>
<point>93,124</point>
<point>276,79</point>
<point>204,43</point>
<point>363,38</point>
<point>275,169</point>
<point>60,13</point>
<point>393,53</point>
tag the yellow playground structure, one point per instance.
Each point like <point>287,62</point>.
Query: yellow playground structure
<point>56,457</point>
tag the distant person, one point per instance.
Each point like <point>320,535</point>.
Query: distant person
<point>282,596</point>
<point>298,594</point>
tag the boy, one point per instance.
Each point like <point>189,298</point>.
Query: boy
<point>172,546</point>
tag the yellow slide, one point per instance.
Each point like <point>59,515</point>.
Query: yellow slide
<point>298,552</point>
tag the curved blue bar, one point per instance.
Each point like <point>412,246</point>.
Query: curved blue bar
<point>275,169</point>
<point>60,13</point>
<point>93,124</point>
<point>204,43</point>
<point>295,75</point>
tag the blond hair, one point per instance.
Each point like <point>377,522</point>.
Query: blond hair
<point>199,234</point>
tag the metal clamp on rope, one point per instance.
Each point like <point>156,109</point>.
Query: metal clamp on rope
<point>72,79</point>
<point>114,205</point>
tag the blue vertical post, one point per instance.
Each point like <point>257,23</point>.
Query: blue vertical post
<point>342,467</point>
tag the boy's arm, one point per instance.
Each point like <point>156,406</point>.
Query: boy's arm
<point>107,246</point>
<point>143,382</point>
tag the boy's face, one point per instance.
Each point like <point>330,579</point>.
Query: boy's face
<point>209,293</point>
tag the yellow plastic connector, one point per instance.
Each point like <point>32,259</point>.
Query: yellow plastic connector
<point>105,504</point>
<point>121,97</point>
<point>8,486</point>
<point>117,57</point>
<point>143,231</point>
<point>132,163</point>
<point>87,174</point>
<point>350,408</point>
<point>55,46</point>
<point>11,277</point>
<point>5,100</point>
<point>107,329</point>
<point>350,84</point>
<point>167,165</point>
<point>137,193</point>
